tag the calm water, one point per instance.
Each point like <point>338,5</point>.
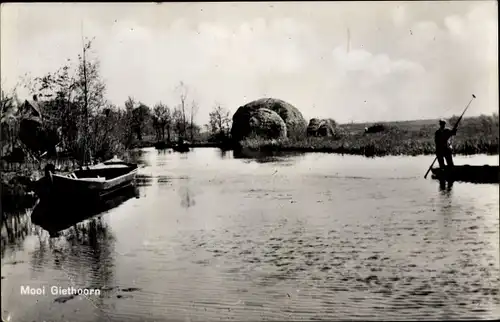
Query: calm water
<point>303,237</point>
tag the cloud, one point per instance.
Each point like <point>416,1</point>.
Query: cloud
<point>461,58</point>
<point>405,61</point>
<point>372,66</point>
<point>399,15</point>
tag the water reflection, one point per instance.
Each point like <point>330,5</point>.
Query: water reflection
<point>136,156</point>
<point>95,241</point>
<point>266,156</point>
<point>84,254</point>
<point>224,154</point>
<point>445,208</point>
<point>56,217</point>
<point>445,187</point>
<point>164,151</point>
<point>14,230</point>
<point>187,195</point>
<point>16,204</point>
<point>143,180</point>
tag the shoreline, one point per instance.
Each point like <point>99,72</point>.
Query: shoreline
<point>335,147</point>
<point>366,154</point>
<point>366,151</point>
<point>413,138</point>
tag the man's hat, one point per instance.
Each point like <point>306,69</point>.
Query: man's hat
<point>442,121</point>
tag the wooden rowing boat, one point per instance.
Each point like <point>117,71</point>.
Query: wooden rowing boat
<point>93,182</point>
<point>181,146</point>
<point>468,173</point>
<point>162,145</point>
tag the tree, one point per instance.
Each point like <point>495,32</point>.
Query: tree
<point>71,101</point>
<point>161,120</point>
<point>110,135</point>
<point>183,92</point>
<point>140,117</point>
<point>128,134</point>
<point>58,98</point>
<point>195,131</point>
<point>90,85</point>
<point>219,123</point>
<point>9,121</point>
<point>90,90</point>
<point>179,127</point>
<point>194,110</point>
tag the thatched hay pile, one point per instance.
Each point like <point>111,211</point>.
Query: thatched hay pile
<point>259,110</point>
<point>319,127</point>
<point>376,128</point>
<point>267,124</point>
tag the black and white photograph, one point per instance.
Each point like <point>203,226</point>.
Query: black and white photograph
<point>249,161</point>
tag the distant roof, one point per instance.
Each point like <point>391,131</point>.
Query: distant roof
<point>32,107</point>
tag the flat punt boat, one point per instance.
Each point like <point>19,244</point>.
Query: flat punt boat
<point>87,184</point>
<point>468,173</point>
<point>182,146</point>
<point>162,145</point>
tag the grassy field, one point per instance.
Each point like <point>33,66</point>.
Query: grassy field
<point>476,135</point>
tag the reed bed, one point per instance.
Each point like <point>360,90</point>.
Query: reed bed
<point>476,135</point>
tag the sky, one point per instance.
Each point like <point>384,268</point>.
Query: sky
<point>350,61</point>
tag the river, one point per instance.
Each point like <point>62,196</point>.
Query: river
<point>299,237</point>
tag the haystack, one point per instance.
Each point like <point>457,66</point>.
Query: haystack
<point>318,127</point>
<point>313,126</point>
<point>295,124</point>
<point>266,124</point>
<point>376,128</point>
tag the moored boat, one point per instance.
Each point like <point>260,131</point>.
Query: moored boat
<point>181,146</point>
<point>87,184</point>
<point>468,173</point>
<point>162,145</point>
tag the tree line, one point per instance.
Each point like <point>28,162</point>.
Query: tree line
<point>78,119</point>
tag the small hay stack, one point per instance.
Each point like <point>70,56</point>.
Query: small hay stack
<point>267,124</point>
<point>318,127</point>
<point>376,128</point>
<point>295,124</point>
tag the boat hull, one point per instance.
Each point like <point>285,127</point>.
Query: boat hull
<point>162,145</point>
<point>181,148</point>
<point>468,173</point>
<point>90,184</point>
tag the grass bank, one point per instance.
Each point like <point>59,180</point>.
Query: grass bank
<point>476,135</point>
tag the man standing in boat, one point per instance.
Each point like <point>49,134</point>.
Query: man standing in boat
<point>443,146</point>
